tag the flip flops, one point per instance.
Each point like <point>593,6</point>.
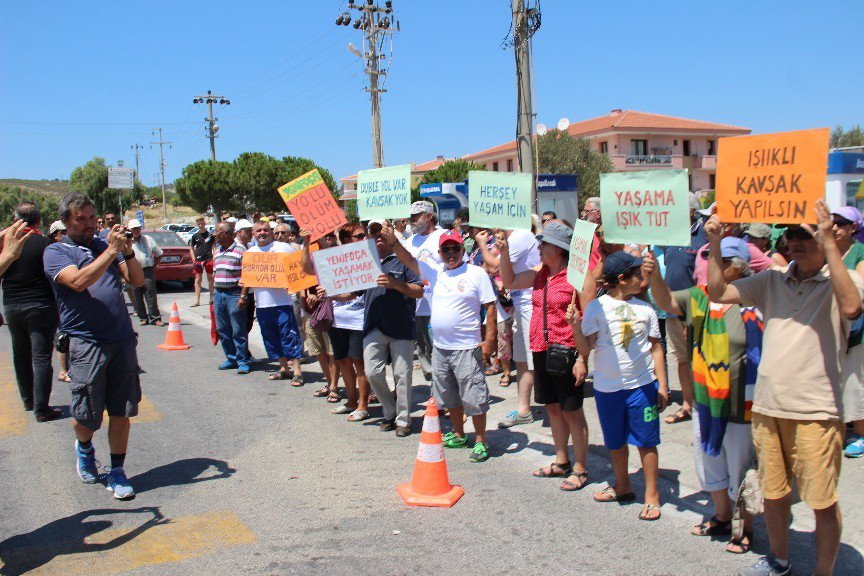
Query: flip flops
<point>608,494</point>
<point>358,415</point>
<point>342,410</point>
<point>647,509</point>
<point>680,415</point>
<point>278,376</point>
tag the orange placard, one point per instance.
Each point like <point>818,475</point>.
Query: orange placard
<point>297,279</point>
<point>772,178</point>
<point>316,210</point>
<point>264,270</point>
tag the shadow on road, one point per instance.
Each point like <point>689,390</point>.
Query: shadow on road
<point>187,471</point>
<point>67,535</point>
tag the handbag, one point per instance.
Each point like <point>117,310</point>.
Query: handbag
<point>559,358</point>
<point>321,318</point>
<point>750,499</point>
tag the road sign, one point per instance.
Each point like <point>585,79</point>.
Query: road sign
<point>139,215</point>
<point>120,178</point>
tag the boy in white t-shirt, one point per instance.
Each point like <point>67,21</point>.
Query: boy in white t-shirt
<point>630,385</point>
<point>459,291</point>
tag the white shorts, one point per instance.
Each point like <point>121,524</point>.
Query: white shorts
<point>853,384</point>
<point>521,335</point>
<point>727,469</point>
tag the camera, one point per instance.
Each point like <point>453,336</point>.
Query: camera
<point>128,234</point>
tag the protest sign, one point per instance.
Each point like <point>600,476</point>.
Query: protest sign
<point>310,202</point>
<point>264,270</point>
<point>772,178</point>
<point>297,279</point>
<point>646,207</point>
<point>347,268</point>
<point>384,192</point>
<point>499,199</point>
<point>580,253</point>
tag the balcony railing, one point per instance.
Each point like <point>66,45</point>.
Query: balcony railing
<point>648,159</point>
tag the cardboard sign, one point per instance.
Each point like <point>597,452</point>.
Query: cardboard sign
<point>384,192</point>
<point>264,270</point>
<point>348,268</point>
<point>310,202</point>
<point>580,253</point>
<point>646,207</point>
<point>298,280</point>
<point>499,199</point>
<point>772,178</point>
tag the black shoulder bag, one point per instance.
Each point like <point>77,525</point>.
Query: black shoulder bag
<point>559,358</point>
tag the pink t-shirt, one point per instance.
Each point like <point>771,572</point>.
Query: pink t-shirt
<point>559,294</point>
<point>759,261</point>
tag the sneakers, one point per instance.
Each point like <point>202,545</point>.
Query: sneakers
<point>243,369</point>
<point>767,566</point>
<point>86,466</point>
<point>403,431</point>
<point>227,365</point>
<point>117,483</point>
<point>855,449</point>
<point>515,419</point>
<point>451,440</point>
<point>480,453</point>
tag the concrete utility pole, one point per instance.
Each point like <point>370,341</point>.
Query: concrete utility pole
<point>212,127</point>
<point>377,24</point>
<point>136,147</point>
<point>162,166</point>
<point>526,21</point>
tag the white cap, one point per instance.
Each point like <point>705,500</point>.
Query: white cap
<point>133,223</point>
<point>422,206</point>
<point>707,211</point>
<point>232,219</point>
<point>57,225</point>
<point>272,224</point>
<point>379,222</point>
<point>242,224</point>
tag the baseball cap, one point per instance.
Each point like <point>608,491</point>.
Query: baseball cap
<point>557,234</point>
<point>619,263</point>
<point>849,213</point>
<point>56,226</point>
<point>422,206</point>
<point>450,236</point>
<point>232,219</point>
<point>133,223</point>
<point>757,230</point>
<point>242,224</point>
<point>733,247</point>
<point>378,221</point>
<point>707,211</point>
<point>694,201</point>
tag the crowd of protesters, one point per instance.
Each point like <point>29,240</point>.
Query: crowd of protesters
<point>762,325</point>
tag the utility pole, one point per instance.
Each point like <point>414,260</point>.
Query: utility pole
<point>162,167</point>
<point>136,147</point>
<point>377,24</point>
<point>212,128</point>
<point>526,21</point>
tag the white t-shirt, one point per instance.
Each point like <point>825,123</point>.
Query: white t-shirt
<point>622,356</point>
<point>425,249</point>
<point>271,297</point>
<point>457,296</point>
<point>349,315</point>
<point>525,255</point>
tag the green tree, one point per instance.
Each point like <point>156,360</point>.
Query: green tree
<point>206,183</point>
<point>559,153</point>
<point>91,179</point>
<point>10,196</point>
<point>845,138</point>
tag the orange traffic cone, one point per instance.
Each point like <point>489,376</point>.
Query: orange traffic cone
<point>430,485</point>
<point>174,336</point>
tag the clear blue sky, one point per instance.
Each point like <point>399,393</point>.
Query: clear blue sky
<point>84,79</point>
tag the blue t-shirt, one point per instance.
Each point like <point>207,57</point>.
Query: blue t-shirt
<point>681,260</point>
<point>97,314</point>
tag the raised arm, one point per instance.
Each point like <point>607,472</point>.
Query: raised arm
<point>12,239</point>
<point>848,298</point>
<point>659,290</point>
<point>509,279</point>
<point>489,258</point>
<point>305,256</point>
<point>80,279</point>
<point>718,290</point>
<point>401,252</point>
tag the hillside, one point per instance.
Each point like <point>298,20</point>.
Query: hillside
<point>49,187</point>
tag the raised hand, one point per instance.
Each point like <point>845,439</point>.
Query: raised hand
<point>482,237</point>
<point>824,231</point>
<point>14,238</point>
<point>649,264</point>
<point>714,229</point>
<point>117,238</point>
<point>388,234</point>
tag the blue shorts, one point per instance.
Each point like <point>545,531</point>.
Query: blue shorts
<point>629,416</point>
<point>279,332</point>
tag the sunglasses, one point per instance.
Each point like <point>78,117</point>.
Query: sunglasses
<point>451,249</point>
<point>359,236</point>
<point>842,222</point>
<point>545,220</point>
<point>280,233</point>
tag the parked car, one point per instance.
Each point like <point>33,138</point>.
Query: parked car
<point>177,261</point>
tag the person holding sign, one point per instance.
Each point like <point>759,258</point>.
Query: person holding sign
<point>557,383</point>
<point>459,290</point>
<point>630,385</point>
<point>275,311</point>
<point>808,310</point>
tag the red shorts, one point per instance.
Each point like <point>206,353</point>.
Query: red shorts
<point>199,267</point>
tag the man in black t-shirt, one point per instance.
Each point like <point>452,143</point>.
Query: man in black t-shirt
<point>202,245</point>
<point>31,314</point>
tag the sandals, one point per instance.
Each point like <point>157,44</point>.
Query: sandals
<point>713,527</point>
<point>568,486</point>
<point>278,376</point>
<point>492,371</point>
<point>743,547</point>
<point>297,381</point>
<point>344,409</point>
<point>680,415</point>
<point>554,470</point>
<point>334,397</point>
<point>64,377</point>
<point>504,382</point>
<point>647,509</point>
<point>358,415</point>
<point>609,494</point>
<point>325,391</point>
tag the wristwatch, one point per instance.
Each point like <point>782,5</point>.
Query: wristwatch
<point>128,256</point>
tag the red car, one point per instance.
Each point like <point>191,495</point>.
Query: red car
<point>177,261</point>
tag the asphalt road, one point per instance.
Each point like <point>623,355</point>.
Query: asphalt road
<point>237,474</point>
